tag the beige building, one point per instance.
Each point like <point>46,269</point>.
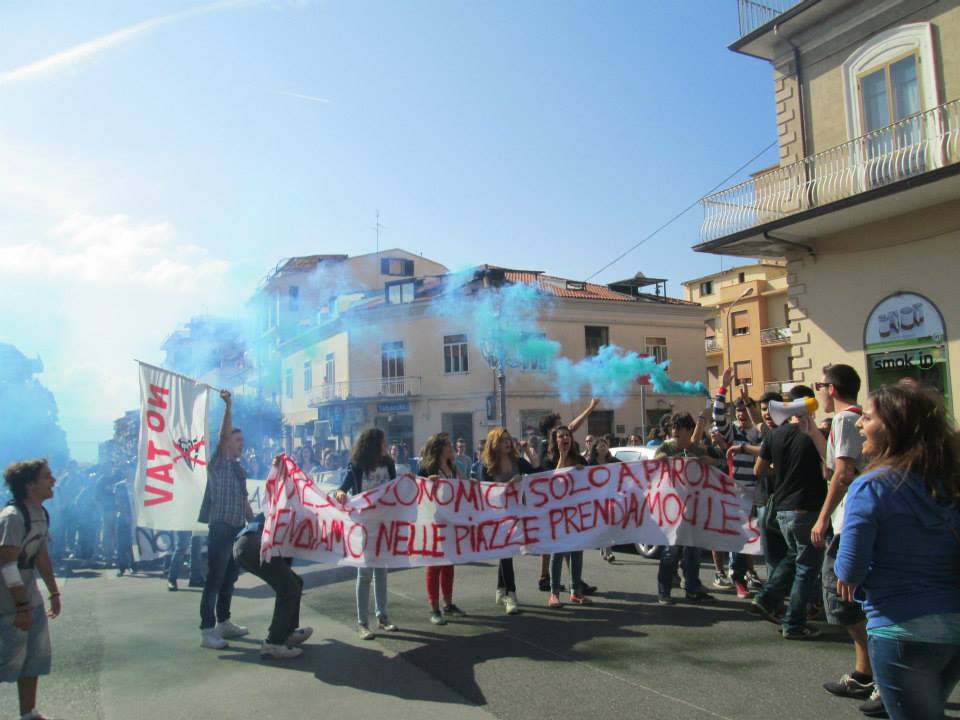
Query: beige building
<point>396,363</point>
<point>749,330</point>
<point>864,205</point>
<point>303,291</point>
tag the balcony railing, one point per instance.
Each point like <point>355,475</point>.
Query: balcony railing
<point>357,389</point>
<point>771,336</point>
<point>756,13</point>
<point>913,146</point>
<point>712,345</point>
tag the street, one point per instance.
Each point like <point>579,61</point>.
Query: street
<point>125,647</point>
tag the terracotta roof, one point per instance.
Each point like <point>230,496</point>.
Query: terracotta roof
<point>564,288</point>
<point>307,262</point>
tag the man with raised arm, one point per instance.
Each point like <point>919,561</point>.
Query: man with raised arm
<point>226,510</point>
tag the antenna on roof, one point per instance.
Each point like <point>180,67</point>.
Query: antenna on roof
<point>377,228</point>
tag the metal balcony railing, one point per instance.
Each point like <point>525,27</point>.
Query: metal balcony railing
<point>775,335</point>
<point>712,344</point>
<point>913,146</point>
<point>756,13</point>
<point>405,386</point>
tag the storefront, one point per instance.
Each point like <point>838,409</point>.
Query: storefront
<point>905,337</point>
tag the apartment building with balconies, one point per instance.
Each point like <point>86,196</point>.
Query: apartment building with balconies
<point>749,330</point>
<point>395,362</point>
<point>864,204</point>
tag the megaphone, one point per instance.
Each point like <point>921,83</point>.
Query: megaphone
<point>780,412</point>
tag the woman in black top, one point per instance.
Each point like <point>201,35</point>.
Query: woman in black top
<point>501,463</point>
<point>561,453</point>
<point>600,455</point>
<point>369,467</point>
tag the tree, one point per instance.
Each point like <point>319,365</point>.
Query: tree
<point>29,424</point>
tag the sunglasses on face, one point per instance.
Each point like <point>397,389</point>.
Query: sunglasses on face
<point>821,386</point>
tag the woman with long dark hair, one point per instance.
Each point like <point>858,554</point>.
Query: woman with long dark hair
<point>501,462</point>
<point>900,549</point>
<point>436,461</point>
<point>369,467</point>
<point>562,453</point>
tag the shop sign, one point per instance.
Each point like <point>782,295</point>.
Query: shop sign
<point>903,320</point>
<point>389,408</point>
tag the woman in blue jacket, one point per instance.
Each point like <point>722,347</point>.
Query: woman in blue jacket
<point>900,549</point>
<point>370,466</point>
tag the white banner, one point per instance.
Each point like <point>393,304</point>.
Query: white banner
<point>172,454</point>
<point>415,521</point>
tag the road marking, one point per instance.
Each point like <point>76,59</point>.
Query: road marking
<point>628,681</point>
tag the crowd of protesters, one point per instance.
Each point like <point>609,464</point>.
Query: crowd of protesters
<point>859,518</point>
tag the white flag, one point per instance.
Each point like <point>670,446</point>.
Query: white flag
<point>172,455</point>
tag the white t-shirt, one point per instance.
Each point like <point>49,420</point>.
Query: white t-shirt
<point>844,442</point>
<point>377,478</point>
<point>12,533</point>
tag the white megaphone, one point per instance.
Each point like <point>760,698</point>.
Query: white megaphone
<point>780,412</point>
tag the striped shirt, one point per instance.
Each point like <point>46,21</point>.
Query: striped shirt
<point>742,465</point>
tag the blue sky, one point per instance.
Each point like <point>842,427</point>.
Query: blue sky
<point>158,158</point>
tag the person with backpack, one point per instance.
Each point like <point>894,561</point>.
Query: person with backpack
<point>24,529</point>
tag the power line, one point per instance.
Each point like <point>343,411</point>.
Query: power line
<point>683,212</point>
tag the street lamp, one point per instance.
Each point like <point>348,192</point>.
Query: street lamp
<point>494,355</point>
<point>728,327</point>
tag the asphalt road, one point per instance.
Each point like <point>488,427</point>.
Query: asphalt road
<point>127,648</point>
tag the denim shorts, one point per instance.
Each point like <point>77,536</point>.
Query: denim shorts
<point>837,610</point>
<point>24,653</point>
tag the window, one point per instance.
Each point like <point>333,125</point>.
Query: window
<point>706,288</point>
<point>743,372</point>
<point>600,423</point>
<point>392,360</point>
<point>455,354</point>
<point>307,375</point>
<point>535,364</point>
<point>595,337</point>
<point>400,293</point>
<point>713,376</point>
<point>710,327</point>
<point>740,322</point>
<point>741,278</point>
<point>293,298</point>
<point>329,368</point>
<point>289,383</point>
<point>397,267</point>
<point>656,348</point>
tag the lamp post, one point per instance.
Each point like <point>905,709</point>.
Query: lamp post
<point>728,327</point>
<point>494,356</point>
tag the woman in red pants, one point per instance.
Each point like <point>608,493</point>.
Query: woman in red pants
<point>436,461</point>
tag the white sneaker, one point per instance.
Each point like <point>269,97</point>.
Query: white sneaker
<point>228,630</point>
<point>510,606</point>
<point>501,594</point>
<point>210,638</point>
<point>278,652</point>
<point>300,636</point>
<point>366,633</point>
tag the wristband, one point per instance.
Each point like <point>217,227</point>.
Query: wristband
<point>722,391</point>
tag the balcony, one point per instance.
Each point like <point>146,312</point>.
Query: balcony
<point>396,387</point>
<point>920,145</point>
<point>757,13</point>
<point>775,336</point>
<point>713,345</point>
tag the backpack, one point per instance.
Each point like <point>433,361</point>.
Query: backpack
<point>21,507</point>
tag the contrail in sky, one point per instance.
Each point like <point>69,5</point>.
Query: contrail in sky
<point>323,100</point>
<point>71,56</point>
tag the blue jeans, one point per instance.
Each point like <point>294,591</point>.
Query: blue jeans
<point>795,571</point>
<point>379,577</point>
<point>771,541</point>
<point>222,573</point>
<point>182,541</point>
<point>668,567</point>
<point>576,571</point>
<point>915,678</point>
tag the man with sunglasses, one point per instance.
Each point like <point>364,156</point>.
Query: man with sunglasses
<point>843,459</point>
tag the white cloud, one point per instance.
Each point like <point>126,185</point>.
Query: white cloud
<point>67,60</point>
<point>113,251</point>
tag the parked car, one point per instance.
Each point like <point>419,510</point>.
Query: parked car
<point>632,453</point>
